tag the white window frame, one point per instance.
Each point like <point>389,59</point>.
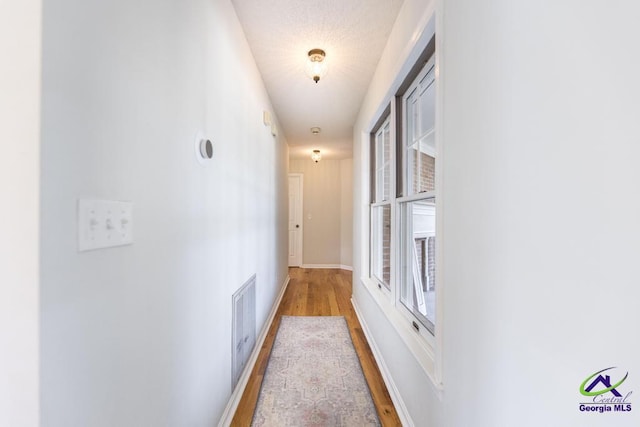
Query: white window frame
<point>406,268</point>
<point>380,201</point>
<point>426,348</point>
<point>423,326</point>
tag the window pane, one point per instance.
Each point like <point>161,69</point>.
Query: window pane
<point>381,243</point>
<point>423,176</point>
<point>386,181</point>
<point>418,246</point>
<point>379,188</point>
<point>420,136</point>
<point>383,163</point>
<point>427,104</point>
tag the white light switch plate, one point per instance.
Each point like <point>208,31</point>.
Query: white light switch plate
<point>104,223</point>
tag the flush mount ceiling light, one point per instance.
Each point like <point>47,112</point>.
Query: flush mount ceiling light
<point>315,130</point>
<point>316,67</point>
<point>316,156</point>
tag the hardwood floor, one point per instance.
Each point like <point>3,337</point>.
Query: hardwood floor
<point>315,292</point>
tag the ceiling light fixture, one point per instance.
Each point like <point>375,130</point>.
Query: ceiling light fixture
<point>316,156</point>
<point>315,130</point>
<point>316,67</point>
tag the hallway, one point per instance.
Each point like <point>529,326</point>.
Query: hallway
<point>319,292</point>
<point>526,233</point>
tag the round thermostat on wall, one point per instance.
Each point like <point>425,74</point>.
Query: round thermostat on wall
<point>204,149</point>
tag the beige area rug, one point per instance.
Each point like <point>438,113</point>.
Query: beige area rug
<point>314,377</point>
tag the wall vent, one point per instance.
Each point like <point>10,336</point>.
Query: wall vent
<point>244,327</point>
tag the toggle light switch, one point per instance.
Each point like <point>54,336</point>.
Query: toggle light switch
<point>104,223</point>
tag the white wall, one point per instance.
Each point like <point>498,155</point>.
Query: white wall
<point>541,229</point>
<point>346,212</point>
<point>20,35</point>
<point>321,214</point>
<point>141,335</point>
<point>548,293</point>
<point>327,211</point>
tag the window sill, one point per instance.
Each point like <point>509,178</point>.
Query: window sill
<point>422,350</point>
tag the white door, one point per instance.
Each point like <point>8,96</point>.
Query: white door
<point>295,219</point>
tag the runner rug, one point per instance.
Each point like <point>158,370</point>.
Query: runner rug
<point>314,377</point>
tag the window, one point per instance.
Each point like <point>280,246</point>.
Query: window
<point>417,206</point>
<point>381,204</point>
<point>403,198</point>
<point>404,205</point>
<point>418,260</point>
<point>415,203</point>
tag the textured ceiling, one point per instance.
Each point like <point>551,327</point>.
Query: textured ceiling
<point>353,34</point>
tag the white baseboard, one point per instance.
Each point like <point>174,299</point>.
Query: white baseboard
<point>401,408</point>
<point>340,266</point>
<point>234,400</point>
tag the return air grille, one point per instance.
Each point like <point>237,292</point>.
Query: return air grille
<point>244,327</point>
